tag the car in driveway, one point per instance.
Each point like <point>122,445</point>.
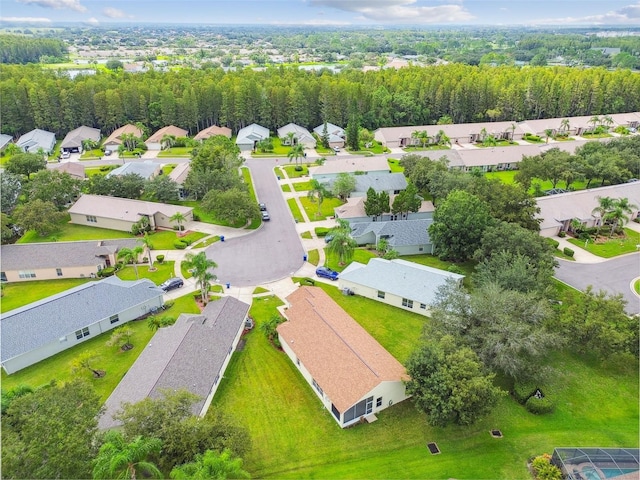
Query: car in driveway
<point>65,155</point>
<point>265,216</point>
<point>325,272</point>
<point>172,284</point>
<point>336,149</point>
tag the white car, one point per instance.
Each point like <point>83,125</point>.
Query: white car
<point>336,149</point>
<point>65,155</point>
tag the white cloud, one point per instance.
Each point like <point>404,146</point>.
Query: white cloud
<point>25,19</point>
<point>629,15</point>
<point>57,4</point>
<point>92,21</point>
<point>399,11</point>
<point>113,13</point>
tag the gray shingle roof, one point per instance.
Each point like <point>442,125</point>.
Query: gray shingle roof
<point>332,129</point>
<point>400,233</point>
<point>4,140</point>
<point>39,323</point>
<point>398,277</point>
<point>252,133</point>
<point>35,139</point>
<point>145,169</point>
<point>188,355</point>
<point>30,256</point>
<point>74,138</point>
<point>385,181</point>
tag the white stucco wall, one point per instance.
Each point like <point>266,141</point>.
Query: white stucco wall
<point>51,273</point>
<point>389,299</point>
<point>101,222</point>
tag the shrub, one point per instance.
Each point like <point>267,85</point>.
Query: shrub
<point>180,244</point>
<point>160,258</point>
<point>321,231</point>
<point>543,469</point>
<point>562,234</point>
<point>107,272</point>
<point>176,227</point>
<point>553,243</point>
<point>298,168</point>
<point>456,269</point>
<point>169,304</point>
<point>568,252</point>
<point>196,218</point>
<point>307,281</point>
<point>523,390</point>
<point>539,406</point>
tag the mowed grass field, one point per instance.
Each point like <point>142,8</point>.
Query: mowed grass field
<point>293,436</point>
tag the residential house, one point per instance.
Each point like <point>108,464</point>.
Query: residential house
<point>155,141</point>
<point>192,354</point>
<point>406,285</point>
<point>627,120</point>
<point>330,169</point>
<point>212,131</point>
<point>490,159</point>
<point>557,211</point>
<point>179,175</point>
<point>46,261</point>
<point>351,373</point>
<point>121,213</point>
<point>300,135</point>
<point>75,169</point>
<point>114,140</point>
<point>41,329</point>
<point>392,183</point>
<point>146,169</point>
<point>37,139</point>
<point>353,212</point>
<point>4,141</point>
<point>249,136</point>
<point>407,237</point>
<point>72,142</point>
<point>336,134</point>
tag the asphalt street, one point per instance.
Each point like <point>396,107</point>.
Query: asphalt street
<point>271,253</point>
<point>613,276</point>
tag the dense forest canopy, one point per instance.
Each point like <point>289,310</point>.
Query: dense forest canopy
<point>196,98</point>
<point>23,49</point>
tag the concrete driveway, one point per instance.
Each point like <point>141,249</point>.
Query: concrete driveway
<point>272,252</point>
<point>614,276</point>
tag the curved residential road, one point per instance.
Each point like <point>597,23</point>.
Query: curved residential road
<point>614,276</point>
<point>272,252</point>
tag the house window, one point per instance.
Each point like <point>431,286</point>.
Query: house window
<point>379,402</point>
<point>92,219</point>
<point>423,306</point>
<point>80,334</point>
<point>59,272</point>
<point>317,387</point>
<point>27,274</point>
<point>3,276</point>
<point>380,294</point>
<point>407,303</point>
<point>114,319</point>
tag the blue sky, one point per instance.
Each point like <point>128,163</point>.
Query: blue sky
<point>326,12</point>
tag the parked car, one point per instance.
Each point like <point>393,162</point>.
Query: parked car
<point>107,152</point>
<point>171,284</point>
<point>328,238</point>
<point>65,155</point>
<point>327,273</point>
<point>336,149</point>
<point>263,207</point>
<point>265,216</point>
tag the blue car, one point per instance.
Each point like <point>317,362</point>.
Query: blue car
<point>327,273</point>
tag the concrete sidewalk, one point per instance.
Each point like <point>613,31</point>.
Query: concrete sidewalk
<point>580,255</point>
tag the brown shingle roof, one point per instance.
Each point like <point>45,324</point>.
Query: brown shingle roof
<point>115,137</point>
<point>212,131</point>
<point>170,130</point>
<point>341,356</point>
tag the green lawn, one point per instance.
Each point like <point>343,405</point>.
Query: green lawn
<point>111,359</point>
<point>499,143</point>
<point>207,242</point>
<point>207,217</point>
<point>302,186</point>
<point>293,173</point>
<point>327,205</point>
<point>394,165</point>
<point>258,290</point>
<point>164,271</point>
<point>176,152</point>
<point>313,257</point>
<point>184,270</point>
<point>92,154</point>
<point>375,148</point>
<point>285,187</point>
<point>293,436</point>
<point>103,170</point>
<point>360,255</point>
<point>306,235</point>
<point>165,239</point>
<point>422,149</point>
<point>69,232</point>
<point>637,286</point>
<point>613,247</point>
<point>508,178</point>
<point>293,206</point>
<point>18,294</point>
<point>279,150</point>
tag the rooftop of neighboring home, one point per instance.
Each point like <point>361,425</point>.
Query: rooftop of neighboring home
<point>39,323</point>
<point>570,147</point>
<point>252,133</point>
<point>36,139</point>
<point>74,138</point>
<point>33,256</point>
<point>188,354</point>
<point>384,182</point>
<point>397,233</point>
<point>297,130</point>
<point>555,209</point>
<point>458,130</point>
<point>351,164</point>
<point>4,140</point>
<point>179,174</point>
<point>331,130</point>
<point>339,354</point>
<point>146,169</point>
<point>354,208</point>
<point>169,130</point>
<point>478,157</point>
<point>75,169</point>
<point>116,136</point>
<point>123,208</point>
<point>212,131</point>
<point>401,278</point>
<point>625,119</point>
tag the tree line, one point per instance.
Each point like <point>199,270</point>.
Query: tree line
<point>22,49</point>
<point>195,99</point>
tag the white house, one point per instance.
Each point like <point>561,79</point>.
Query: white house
<point>250,135</point>
<point>192,354</point>
<point>399,283</point>
<point>300,135</point>
<point>336,134</point>
<point>46,327</point>
<point>330,169</point>
<point>37,139</point>
<point>351,373</point>
<point>154,142</point>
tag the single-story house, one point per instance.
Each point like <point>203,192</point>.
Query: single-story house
<point>351,373</point>
<point>336,134</point>
<point>627,120</point>
<point>72,142</point>
<point>179,175</point>
<point>115,139</point>
<point>154,142</point>
<point>399,283</point>
<point>577,125</point>
<point>491,159</point>
<point>392,183</point>
<point>557,211</point>
<point>353,212</point>
<point>331,168</point>
<point>37,139</point>
<point>192,354</point>
<point>407,237</point>
<point>212,131</point>
<point>4,141</point>
<point>75,169</point>
<point>121,213</point>
<point>250,135</point>
<point>46,261</point>
<point>301,135</point>
<point>49,326</point>
<point>146,169</point>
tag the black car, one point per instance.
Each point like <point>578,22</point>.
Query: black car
<point>171,284</point>
<point>263,207</point>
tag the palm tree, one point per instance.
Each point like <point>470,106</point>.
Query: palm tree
<point>130,255</point>
<point>211,465</point>
<point>489,141</point>
<point>289,138</point>
<point>168,141</point>
<point>443,139</point>
<point>178,218</point>
<point>119,459</point>
<point>616,217</point>
<point>422,136</point>
<point>296,152</point>
<point>148,246</point>
<point>595,120</point>
<point>200,265</point>
<point>548,133</point>
<point>564,125</point>
<point>605,205</point>
<point>342,245</point>
<point>129,140</point>
<point>607,121</point>
<point>317,193</point>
